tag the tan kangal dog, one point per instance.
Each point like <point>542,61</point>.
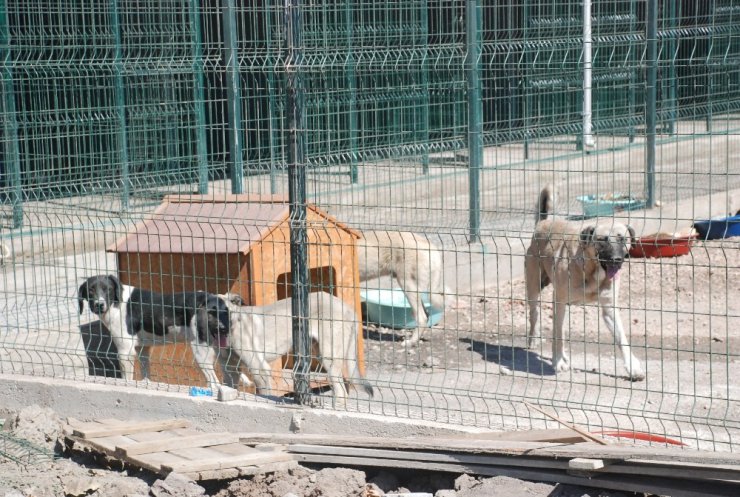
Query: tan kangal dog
<point>416,264</point>
<point>259,335</point>
<point>583,264</point>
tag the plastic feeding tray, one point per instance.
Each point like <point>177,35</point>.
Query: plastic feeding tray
<point>718,227</point>
<point>606,205</point>
<point>391,308</point>
<point>663,245</point>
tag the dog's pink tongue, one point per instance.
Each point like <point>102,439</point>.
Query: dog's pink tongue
<point>611,271</point>
<point>223,341</point>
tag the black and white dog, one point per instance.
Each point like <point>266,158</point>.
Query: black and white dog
<point>141,318</point>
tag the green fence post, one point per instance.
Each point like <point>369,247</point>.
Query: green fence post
<point>475,115</point>
<point>296,143</point>
<point>352,89</point>
<point>672,82</point>
<point>425,89</point>
<point>651,98</point>
<point>272,101</point>
<point>233,97</point>
<point>10,123</point>
<point>120,97</point>
<point>201,145</point>
<point>632,78</point>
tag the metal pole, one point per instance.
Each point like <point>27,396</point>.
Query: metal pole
<point>12,152</point>
<point>352,90</point>
<point>588,138</point>
<point>475,115</point>
<point>296,138</point>
<point>672,80</point>
<point>233,97</point>
<point>272,102</point>
<point>201,145</point>
<point>120,95</point>
<point>633,68</point>
<point>424,43</point>
<point>651,99</point>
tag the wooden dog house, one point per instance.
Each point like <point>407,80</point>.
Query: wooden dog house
<point>238,244</point>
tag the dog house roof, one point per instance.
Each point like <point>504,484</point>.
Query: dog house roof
<point>200,224</point>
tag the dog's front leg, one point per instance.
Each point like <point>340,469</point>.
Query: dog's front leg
<point>126,355</point>
<point>144,353</point>
<point>614,324</point>
<point>560,360</point>
<point>205,357</point>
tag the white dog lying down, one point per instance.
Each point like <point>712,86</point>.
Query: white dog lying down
<point>262,334</point>
<point>416,263</point>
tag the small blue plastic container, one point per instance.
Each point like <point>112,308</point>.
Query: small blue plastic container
<point>718,227</point>
<point>391,309</point>
<point>599,205</point>
<point>201,392</point>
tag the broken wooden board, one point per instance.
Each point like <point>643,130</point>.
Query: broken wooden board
<point>170,446</point>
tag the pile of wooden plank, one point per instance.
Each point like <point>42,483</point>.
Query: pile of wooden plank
<point>556,456</point>
<point>658,470</point>
<point>173,446</point>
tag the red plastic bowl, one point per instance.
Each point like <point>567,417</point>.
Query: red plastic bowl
<point>660,246</point>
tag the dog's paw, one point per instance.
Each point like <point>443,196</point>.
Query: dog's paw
<point>534,342</point>
<point>636,374</point>
<point>561,364</point>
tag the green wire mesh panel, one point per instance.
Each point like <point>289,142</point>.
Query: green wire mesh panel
<point>103,96</point>
<point>109,105</point>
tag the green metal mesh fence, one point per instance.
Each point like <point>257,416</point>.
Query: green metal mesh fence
<point>109,106</point>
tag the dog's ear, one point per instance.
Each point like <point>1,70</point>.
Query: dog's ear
<point>235,299</point>
<point>117,288</point>
<point>82,295</point>
<point>587,234</point>
<point>633,235</point>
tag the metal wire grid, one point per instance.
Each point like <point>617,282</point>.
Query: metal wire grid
<point>398,70</point>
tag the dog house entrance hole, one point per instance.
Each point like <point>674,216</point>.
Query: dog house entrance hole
<point>321,279</point>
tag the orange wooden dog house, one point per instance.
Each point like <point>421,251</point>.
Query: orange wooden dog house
<point>238,244</point>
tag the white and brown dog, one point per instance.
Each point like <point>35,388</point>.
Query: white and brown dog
<point>583,264</point>
<point>140,318</point>
<point>261,334</point>
<point>413,261</point>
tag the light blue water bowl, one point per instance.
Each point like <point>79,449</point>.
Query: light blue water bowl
<point>391,309</point>
<point>601,205</point>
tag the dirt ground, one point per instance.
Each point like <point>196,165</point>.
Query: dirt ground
<point>57,471</point>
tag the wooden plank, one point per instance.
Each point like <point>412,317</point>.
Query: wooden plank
<point>230,473</point>
<point>583,464</point>
<point>228,462</point>
<point>155,461</point>
<point>91,431</point>
<point>558,435</point>
<point>580,431</point>
<point>180,442</point>
<point>441,457</point>
<point>639,484</point>
<point>505,447</point>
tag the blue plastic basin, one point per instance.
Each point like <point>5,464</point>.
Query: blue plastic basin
<point>718,227</point>
<point>598,205</point>
<point>391,309</point>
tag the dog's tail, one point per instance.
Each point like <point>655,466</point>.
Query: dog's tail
<point>545,203</point>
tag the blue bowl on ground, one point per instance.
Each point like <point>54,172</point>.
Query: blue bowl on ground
<point>603,205</point>
<point>718,227</point>
<point>391,308</point>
